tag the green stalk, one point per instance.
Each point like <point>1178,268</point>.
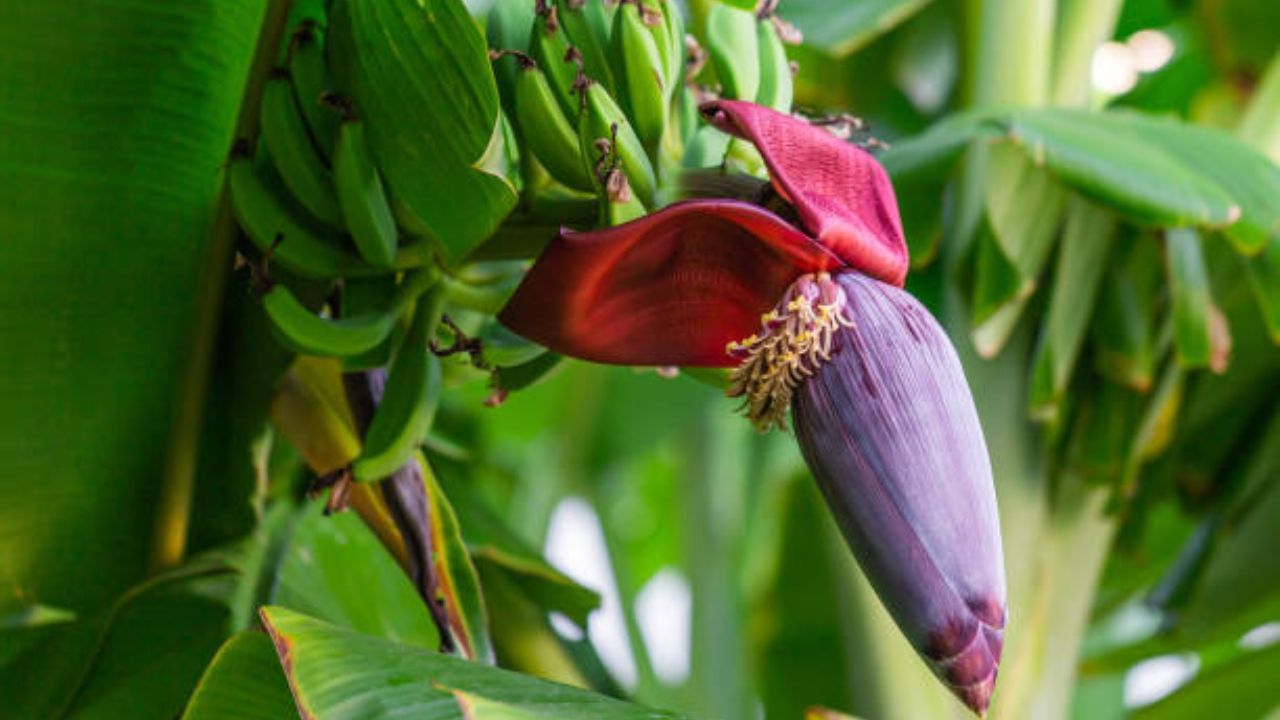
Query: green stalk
<point>1040,668</point>
<point>1082,26</point>
<point>177,487</point>
<point>1009,51</point>
<point>647,686</point>
<point>719,675</point>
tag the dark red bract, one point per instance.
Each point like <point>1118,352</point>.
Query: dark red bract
<point>674,287</point>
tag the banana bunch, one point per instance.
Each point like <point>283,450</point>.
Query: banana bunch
<point>346,270</point>
<point>593,89</point>
<point>602,94</point>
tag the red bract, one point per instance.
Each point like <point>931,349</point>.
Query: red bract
<point>842,195</point>
<point>675,287</point>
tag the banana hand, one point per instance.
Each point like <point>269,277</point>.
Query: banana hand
<point>280,234</point>
<point>361,196</point>
<point>731,39</point>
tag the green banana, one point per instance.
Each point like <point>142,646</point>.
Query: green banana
<point>302,13</point>
<point>361,296</point>
<point>602,119</point>
<point>731,39</point>
<point>642,86</point>
<point>503,348</point>
<point>547,131</point>
<point>311,82</point>
<point>487,299</point>
<point>508,27</point>
<point>653,14</point>
<point>277,231</point>
<point>775,89</point>
<point>302,331</point>
<point>408,405</point>
<point>289,142</point>
<point>363,200</point>
<point>673,23</point>
<point>561,205</point>
<point>583,24</point>
<point>687,109</point>
<point>599,15</point>
<point>550,48</point>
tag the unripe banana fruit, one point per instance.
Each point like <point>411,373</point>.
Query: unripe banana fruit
<point>548,133</point>
<point>408,405</point>
<point>277,231</point>
<point>363,200</point>
<point>673,26</point>
<point>310,74</point>
<point>603,120</point>
<point>776,83</point>
<point>289,142</point>
<point>549,46</point>
<point>301,330</point>
<point>642,67</point>
<point>731,40</point>
<point>583,22</point>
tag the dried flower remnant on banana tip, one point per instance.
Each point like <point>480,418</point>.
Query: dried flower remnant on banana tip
<point>803,301</point>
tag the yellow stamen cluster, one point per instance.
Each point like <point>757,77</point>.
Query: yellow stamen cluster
<point>795,340</point>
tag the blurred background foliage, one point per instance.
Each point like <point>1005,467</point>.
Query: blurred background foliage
<point>622,531</point>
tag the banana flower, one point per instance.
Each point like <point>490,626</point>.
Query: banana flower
<point>802,297</point>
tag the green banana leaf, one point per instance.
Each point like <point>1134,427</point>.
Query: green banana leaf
<point>839,29</point>
<point>339,673</point>
<point>113,133</point>
<point>112,149</point>
<point>335,569</point>
<point>243,681</point>
<point>1151,170</point>
<point>1247,686</point>
<point>140,657</point>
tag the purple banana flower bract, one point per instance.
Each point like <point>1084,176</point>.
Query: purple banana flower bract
<point>889,429</point>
